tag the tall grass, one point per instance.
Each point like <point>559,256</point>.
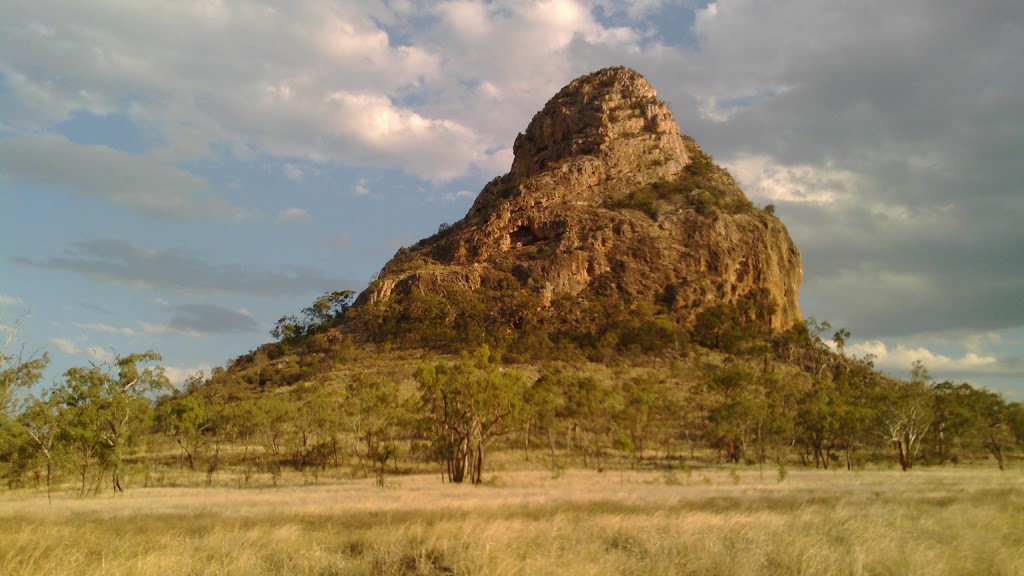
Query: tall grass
<point>872,522</point>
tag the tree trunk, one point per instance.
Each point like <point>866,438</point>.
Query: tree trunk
<point>49,497</point>
<point>359,457</point>
<point>526,443</point>
<point>85,474</point>
<point>904,454</point>
<point>997,451</point>
<point>477,464</point>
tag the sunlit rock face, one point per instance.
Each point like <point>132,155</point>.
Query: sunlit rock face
<point>606,205</point>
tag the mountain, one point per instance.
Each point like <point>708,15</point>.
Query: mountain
<point>609,222</point>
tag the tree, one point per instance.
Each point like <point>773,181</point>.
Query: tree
<point>327,308</point>
<point>375,414</point>
<point>469,404</point>
<point>81,431</point>
<point>287,327</point>
<point>189,420</point>
<point>641,414</point>
<point>17,371</point>
<point>820,421</point>
<point>324,311</point>
<point>953,418</point>
<point>840,338</point>
<point>1015,421</point>
<point>991,422</point>
<point>589,407</point>
<point>543,401</point>
<point>104,408</point>
<point>734,408</point>
<point>272,419</point>
<point>907,414</point>
<point>40,421</point>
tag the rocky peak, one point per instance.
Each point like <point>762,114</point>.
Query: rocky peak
<point>606,208</point>
<point>613,114</point>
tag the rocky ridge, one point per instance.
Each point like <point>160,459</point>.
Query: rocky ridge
<point>606,206</point>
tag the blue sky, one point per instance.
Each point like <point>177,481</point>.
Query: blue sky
<point>178,175</point>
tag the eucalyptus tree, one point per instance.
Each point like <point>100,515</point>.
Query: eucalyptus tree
<point>325,310</point>
<point>194,421</point>
<point>376,415</point>
<point>589,408</point>
<point>18,371</point>
<point>469,404</point>
<point>40,421</point>
<point>543,400</point>
<point>906,413</point>
<point>643,411</point>
<point>104,408</point>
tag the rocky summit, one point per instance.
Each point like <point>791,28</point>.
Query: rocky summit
<point>607,212</point>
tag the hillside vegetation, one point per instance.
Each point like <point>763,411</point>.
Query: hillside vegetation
<point>321,403</point>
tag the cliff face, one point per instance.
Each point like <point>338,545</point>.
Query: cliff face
<point>606,206</point>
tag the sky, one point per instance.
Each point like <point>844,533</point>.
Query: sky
<point>178,175</point>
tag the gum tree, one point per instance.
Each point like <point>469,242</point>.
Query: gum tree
<point>469,404</point>
<point>104,408</point>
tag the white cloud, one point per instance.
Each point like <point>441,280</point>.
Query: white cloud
<point>75,348</point>
<point>704,19</point>
<point>164,330</point>
<point>436,148</point>
<point>178,374</point>
<point>10,301</point>
<point>360,188</point>
<point>105,328</point>
<point>899,358</point>
<point>293,215</point>
<point>66,346</point>
<point>100,355</point>
<point>979,342</point>
<point>471,20</point>
<point>342,241</point>
<point>359,84</point>
<point>293,172</point>
<point>269,93</point>
<point>453,196</point>
<point>762,176</point>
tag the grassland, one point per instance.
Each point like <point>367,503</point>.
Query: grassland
<point>718,521</point>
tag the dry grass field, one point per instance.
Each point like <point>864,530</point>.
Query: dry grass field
<point>934,522</point>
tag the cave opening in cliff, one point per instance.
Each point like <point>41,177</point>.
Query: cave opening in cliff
<point>523,236</point>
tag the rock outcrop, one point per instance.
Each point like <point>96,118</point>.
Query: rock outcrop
<point>606,207</point>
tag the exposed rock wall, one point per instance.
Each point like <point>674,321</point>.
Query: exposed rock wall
<point>607,203</point>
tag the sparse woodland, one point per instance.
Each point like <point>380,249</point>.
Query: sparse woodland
<point>641,395</point>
